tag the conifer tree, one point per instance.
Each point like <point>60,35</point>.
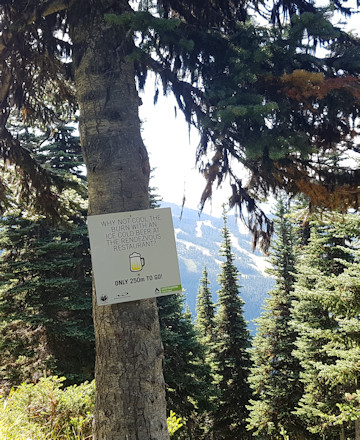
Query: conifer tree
<point>187,376</point>
<point>186,372</point>
<point>275,377</point>
<point>205,326</point>
<point>205,308</point>
<point>45,290</point>
<point>342,300</point>
<point>325,316</point>
<point>231,352</point>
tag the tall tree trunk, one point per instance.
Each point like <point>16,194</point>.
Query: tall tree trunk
<point>130,397</point>
<point>357,429</point>
<point>342,433</point>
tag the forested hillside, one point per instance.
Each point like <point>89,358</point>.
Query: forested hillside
<point>198,238</point>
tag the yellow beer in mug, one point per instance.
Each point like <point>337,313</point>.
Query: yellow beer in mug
<point>136,262</point>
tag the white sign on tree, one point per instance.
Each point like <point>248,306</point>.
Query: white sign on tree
<point>133,255</point>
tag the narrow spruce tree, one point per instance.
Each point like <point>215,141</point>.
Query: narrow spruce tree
<point>275,377</point>
<point>231,352</point>
<point>205,327</point>
<point>45,281</point>
<point>205,308</point>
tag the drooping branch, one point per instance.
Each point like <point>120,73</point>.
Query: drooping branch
<point>189,98</point>
<point>34,83</point>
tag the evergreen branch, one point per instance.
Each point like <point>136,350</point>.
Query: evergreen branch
<point>37,184</point>
<point>189,98</point>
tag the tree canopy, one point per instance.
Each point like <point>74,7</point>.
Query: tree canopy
<point>262,95</point>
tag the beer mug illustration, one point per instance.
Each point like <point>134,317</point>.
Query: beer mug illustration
<point>136,262</point>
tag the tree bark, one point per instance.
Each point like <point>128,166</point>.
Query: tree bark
<point>130,397</point>
<point>342,433</point>
<point>357,429</point>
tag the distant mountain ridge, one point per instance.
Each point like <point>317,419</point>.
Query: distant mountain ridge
<point>198,240</point>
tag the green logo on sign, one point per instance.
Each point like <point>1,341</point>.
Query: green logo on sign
<point>170,288</point>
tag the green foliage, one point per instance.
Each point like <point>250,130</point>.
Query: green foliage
<point>231,85</point>
<point>45,281</point>
<point>261,96</point>
<point>230,352</point>
<point>205,317</point>
<point>275,377</point>
<point>142,21</point>
<point>45,301</point>
<point>187,376</point>
<point>326,317</point>
<point>174,423</point>
<point>47,411</point>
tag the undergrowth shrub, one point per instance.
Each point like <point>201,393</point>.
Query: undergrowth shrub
<point>46,410</point>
